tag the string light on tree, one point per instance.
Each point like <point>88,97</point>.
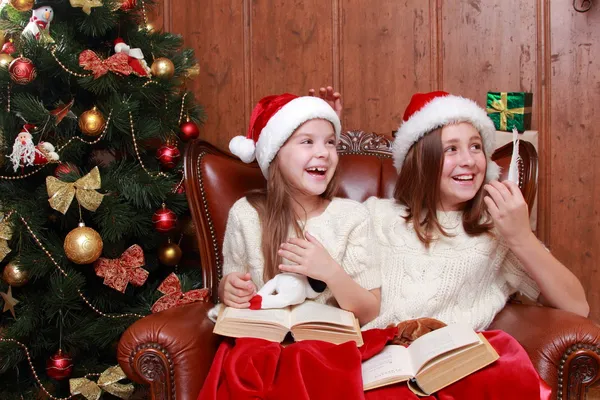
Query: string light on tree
<point>83,245</point>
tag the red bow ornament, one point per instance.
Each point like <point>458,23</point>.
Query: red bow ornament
<point>117,63</point>
<point>173,296</point>
<point>118,272</point>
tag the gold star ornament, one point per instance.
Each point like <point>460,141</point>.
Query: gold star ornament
<point>9,302</point>
<point>86,5</point>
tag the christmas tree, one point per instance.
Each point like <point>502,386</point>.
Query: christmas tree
<point>94,113</point>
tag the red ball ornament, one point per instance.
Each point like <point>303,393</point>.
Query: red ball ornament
<point>168,155</point>
<point>8,48</point>
<point>59,366</point>
<point>127,5</point>
<point>22,70</point>
<point>65,169</point>
<point>189,131</point>
<point>180,188</point>
<point>164,219</point>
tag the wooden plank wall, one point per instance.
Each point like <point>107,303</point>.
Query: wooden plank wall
<point>379,52</point>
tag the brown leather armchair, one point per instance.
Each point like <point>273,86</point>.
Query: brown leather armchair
<point>172,351</point>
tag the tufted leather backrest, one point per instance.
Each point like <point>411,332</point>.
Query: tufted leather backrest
<point>215,180</point>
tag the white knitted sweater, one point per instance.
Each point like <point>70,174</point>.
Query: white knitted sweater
<point>344,229</point>
<point>458,279</point>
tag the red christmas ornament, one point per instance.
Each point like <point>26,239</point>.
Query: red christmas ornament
<point>8,48</point>
<point>59,366</point>
<point>180,188</point>
<point>127,5</point>
<point>164,219</point>
<point>22,70</point>
<point>168,155</point>
<point>65,169</point>
<point>189,131</point>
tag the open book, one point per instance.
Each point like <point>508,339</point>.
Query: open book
<point>306,321</point>
<point>432,362</point>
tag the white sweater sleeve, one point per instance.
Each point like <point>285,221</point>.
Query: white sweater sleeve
<point>358,260</point>
<point>517,277</point>
<point>234,248</point>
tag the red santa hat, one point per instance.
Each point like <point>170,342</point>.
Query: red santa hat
<point>429,111</point>
<point>273,121</point>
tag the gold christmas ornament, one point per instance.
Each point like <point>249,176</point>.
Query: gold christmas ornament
<point>163,68</point>
<point>169,254</point>
<point>193,71</point>
<point>83,245</point>
<point>61,193</point>
<point>22,5</point>
<point>5,60</point>
<point>86,5</point>
<point>2,37</point>
<point>9,302</point>
<point>92,122</point>
<point>15,275</point>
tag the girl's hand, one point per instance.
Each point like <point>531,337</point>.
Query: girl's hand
<point>238,289</point>
<point>508,210</point>
<point>333,98</point>
<point>311,258</point>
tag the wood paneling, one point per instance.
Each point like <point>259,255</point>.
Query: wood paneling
<point>215,30</point>
<point>575,144</point>
<point>489,46</point>
<point>385,57</point>
<point>379,52</point>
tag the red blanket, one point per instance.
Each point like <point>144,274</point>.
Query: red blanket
<point>258,369</point>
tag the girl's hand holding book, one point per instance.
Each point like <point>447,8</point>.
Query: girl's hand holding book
<point>238,289</point>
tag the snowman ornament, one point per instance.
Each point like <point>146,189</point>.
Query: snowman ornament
<point>39,23</point>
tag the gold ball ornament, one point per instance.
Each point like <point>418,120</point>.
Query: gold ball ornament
<point>92,122</point>
<point>2,37</point>
<point>83,245</point>
<point>169,254</point>
<point>163,68</point>
<point>15,275</point>
<point>22,5</point>
<point>5,60</point>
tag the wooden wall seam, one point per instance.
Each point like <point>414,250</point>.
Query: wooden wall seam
<point>167,16</point>
<point>437,41</point>
<point>248,92</point>
<point>336,27</point>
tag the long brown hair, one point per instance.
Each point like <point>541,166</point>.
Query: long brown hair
<point>418,188</point>
<point>274,206</point>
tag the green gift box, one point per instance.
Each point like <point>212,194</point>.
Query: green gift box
<point>510,109</point>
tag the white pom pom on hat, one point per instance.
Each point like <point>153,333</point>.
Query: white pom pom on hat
<point>274,119</point>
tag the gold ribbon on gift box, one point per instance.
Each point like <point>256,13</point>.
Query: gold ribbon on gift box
<point>501,106</point>
<point>5,235</point>
<point>108,382</point>
<point>61,193</point>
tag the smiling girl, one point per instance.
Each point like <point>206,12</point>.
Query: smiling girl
<point>296,224</point>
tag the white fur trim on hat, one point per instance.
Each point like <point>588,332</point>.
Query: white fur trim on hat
<point>285,121</point>
<point>442,111</point>
<point>243,147</point>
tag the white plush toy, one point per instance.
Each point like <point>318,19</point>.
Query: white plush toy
<point>39,23</point>
<point>286,289</point>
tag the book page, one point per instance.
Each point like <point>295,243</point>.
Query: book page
<point>310,311</point>
<point>392,362</point>
<point>276,316</point>
<point>440,341</point>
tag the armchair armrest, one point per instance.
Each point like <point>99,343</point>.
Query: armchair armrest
<point>170,349</point>
<point>563,346</point>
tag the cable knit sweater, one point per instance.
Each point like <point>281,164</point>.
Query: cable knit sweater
<point>344,229</point>
<point>460,278</point>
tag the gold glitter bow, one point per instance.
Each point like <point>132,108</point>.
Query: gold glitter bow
<point>61,193</point>
<point>108,382</point>
<point>86,5</point>
<point>5,235</point>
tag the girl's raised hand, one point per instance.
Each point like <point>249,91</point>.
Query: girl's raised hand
<point>508,210</point>
<point>310,257</point>
<point>333,98</point>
